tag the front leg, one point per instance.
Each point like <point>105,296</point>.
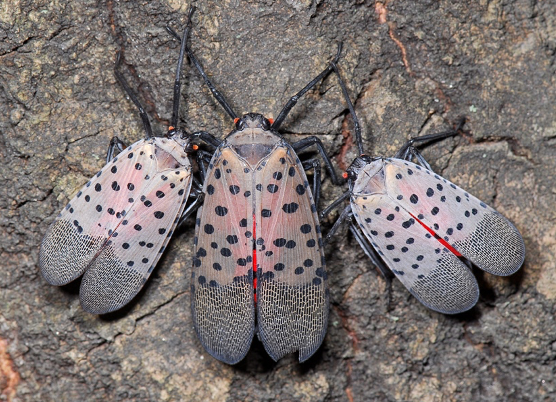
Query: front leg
<point>346,214</point>
<point>408,150</point>
<point>115,143</point>
<point>335,204</point>
<point>203,157</point>
<point>370,252</point>
<point>207,138</point>
<point>200,196</point>
<point>314,164</point>
<point>310,141</point>
<point>376,260</point>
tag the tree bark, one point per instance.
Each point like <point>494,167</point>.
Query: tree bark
<point>411,68</point>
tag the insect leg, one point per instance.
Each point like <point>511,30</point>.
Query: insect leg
<point>412,152</point>
<point>420,158</point>
<point>335,204</point>
<point>196,187</point>
<point>177,81</point>
<point>408,149</point>
<point>346,214</point>
<point>293,100</point>
<point>370,251</point>
<point>309,141</point>
<point>207,156</point>
<point>376,260</point>
<point>190,209</point>
<point>217,95</point>
<point>314,164</point>
<point>129,92</point>
<point>115,143</point>
<point>202,158</point>
<point>207,138</point>
<point>356,126</point>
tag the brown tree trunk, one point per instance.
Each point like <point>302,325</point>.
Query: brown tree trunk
<point>411,67</point>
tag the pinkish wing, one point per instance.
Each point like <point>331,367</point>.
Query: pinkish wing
<point>292,293</point>
<point>474,229</point>
<point>222,281</point>
<point>431,272</point>
<point>127,259</point>
<point>87,221</point>
<point>109,231</point>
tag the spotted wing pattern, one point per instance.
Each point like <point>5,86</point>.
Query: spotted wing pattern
<point>292,293</point>
<point>222,290</point>
<point>117,226</point>
<point>474,229</point>
<point>401,216</point>
<point>83,226</point>
<point>431,272</point>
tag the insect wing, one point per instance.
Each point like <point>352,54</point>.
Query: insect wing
<point>431,272</point>
<point>475,230</point>
<point>292,293</point>
<point>83,226</point>
<point>128,258</point>
<point>222,292</point>
<point>137,198</point>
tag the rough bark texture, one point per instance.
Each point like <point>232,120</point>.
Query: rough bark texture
<point>413,68</point>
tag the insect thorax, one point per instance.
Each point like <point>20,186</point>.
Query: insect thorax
<point>370,176</point>
<point>253,144</point>
<point>172,152</point>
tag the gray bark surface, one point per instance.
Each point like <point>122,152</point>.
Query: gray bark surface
<point>411,67</point>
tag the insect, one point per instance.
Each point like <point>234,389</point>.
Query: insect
<point>425,228</point>
<point>259,263</point>
<point>117,226</point>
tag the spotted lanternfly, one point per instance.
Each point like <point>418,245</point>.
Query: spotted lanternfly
<point>259,263</point>
<point>425,228</point>
<point>117,226</point>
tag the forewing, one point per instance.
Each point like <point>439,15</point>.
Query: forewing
<point>222,294</point>
<point>474,229</point>
<point>84,225</point>
<point>292,293</point>
<point>136,244</point>
<point>431,272</point>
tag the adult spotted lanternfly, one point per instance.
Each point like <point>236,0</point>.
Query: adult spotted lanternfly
<point>116,228</point>
<point>424,227</point>
<point>259,263</point>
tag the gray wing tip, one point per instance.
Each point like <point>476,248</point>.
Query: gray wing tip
<point>225,330</point>
<point>306,353</point>
<point>451,288</point>
<point>230,359</point>
<point>52,276</point>
<point>65,253</point>
<point>286,328</point>
<point>53,272</point>
<point>517,251</point>
<point>520,256</point>
<point>91,304</point>
<point>221,351</point>
<point>495,246</point>
<point>108,286</point>
<point>455,309</point>
<point>306,346</point>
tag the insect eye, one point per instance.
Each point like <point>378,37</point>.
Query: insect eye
<point>266,124</point>
<point>349,175</point>
<point>240,124</point>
